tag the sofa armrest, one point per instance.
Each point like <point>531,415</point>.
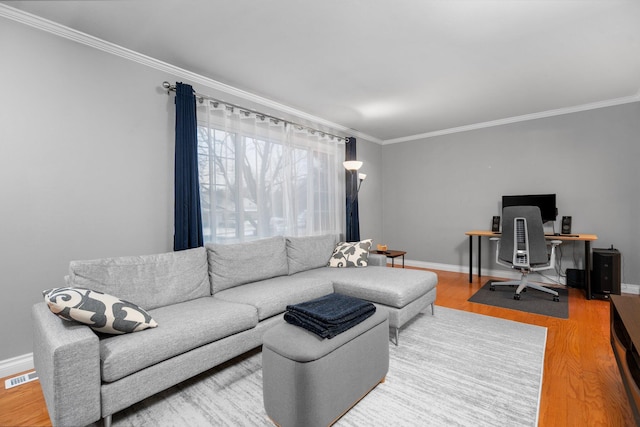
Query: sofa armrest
<point>66,356</point>
<point>377,259</point>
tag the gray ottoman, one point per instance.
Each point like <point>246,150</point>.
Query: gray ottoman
<point>309,381</point>
<point>403,292</point>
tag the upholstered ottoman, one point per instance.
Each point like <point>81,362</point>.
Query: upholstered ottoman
<point>403,292</point>
<point>309,381</point>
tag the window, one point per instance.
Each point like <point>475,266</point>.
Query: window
<point>261,178</point>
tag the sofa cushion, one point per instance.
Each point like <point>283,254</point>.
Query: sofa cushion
<point>102,312</point>
<point>183,327</point>
<point>271,297</point>
<point>240,263</point>
<point>353,254</point>
<point>150,281</point>
<point>395,287</point>
<point>306,253</point>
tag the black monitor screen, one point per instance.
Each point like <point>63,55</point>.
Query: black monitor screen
<point>546,203</point>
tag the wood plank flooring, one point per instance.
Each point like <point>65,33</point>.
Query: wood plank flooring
<point>581,385</point>
<point>581,382</point>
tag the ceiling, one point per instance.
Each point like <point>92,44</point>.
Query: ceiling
<point>390,70</point>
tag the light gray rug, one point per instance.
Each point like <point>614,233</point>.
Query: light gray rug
<point>452,369</point>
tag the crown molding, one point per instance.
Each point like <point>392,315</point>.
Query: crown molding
<point>515,119</point>
<point>117,50</point>
<point>114,49</point>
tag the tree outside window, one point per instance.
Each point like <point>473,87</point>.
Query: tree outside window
<point>253,186</point>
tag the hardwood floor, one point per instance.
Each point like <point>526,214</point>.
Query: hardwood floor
<point>23,405</point>
<point>581,384</point>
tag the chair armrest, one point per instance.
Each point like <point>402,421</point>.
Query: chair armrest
<point>498,260</point>
<point>552,255</point>
<point>377,259</point>
<point>66,356</point>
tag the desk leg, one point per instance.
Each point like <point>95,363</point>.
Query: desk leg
<point>402,261</point>
<point>470,259</point>
<point>587,267</point>
<point>479,257</point>
<point>392,262</point>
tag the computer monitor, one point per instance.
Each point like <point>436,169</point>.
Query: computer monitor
<point>546,203</point>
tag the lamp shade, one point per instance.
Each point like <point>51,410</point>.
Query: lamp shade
<point>362,176</point>
<point>352,165</point>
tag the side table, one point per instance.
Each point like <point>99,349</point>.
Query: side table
<point>393,255</point>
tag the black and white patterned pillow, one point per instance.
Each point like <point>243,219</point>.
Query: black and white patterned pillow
<point>102,312</point>
<point>354,254</point>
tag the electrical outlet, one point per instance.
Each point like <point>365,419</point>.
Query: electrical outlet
<point>21,379</point>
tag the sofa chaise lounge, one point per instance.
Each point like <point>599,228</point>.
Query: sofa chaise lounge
<point>211,304</point>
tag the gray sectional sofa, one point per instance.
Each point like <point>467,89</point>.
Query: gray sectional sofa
<point>211,305</point>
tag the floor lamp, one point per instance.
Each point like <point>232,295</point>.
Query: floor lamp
<point>353,226</point>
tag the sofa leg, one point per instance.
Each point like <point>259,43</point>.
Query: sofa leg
<point>432,308</point>
<point>106,421</point>
<point>397,336</point>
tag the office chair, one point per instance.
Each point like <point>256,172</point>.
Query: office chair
<point>523,247</point>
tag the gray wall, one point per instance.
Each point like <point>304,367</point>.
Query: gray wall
<point>437,188</point>
<point>86,166</point>
<point>85,170</point>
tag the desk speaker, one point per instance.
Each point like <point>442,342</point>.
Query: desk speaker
<point>495,224</point>
<point>566,225</point>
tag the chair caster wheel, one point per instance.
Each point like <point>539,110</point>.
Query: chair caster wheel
<point>516,296</point>
<point>556,299</point>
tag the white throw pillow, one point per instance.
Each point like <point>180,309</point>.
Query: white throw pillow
<point>354,254</point>
<point>102,312</point>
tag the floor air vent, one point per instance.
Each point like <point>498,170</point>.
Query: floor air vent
<point>21,379</point>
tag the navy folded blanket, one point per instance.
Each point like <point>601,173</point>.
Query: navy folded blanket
<point>329,315</point>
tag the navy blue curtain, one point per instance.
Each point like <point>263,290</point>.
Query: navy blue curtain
<point>188,217</point>
<point>352,233</point>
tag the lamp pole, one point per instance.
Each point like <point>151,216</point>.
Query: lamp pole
<point>353,189</point>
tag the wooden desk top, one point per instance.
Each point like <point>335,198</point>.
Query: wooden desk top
<point>563,237</point>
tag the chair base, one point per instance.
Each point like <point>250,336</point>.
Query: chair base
<point>522,285</point>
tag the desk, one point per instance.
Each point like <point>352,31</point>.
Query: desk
<point>393,255</point>
<point>586,238</point>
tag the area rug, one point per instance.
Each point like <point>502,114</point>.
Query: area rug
<point>451,369</point>
<point>531,301</point>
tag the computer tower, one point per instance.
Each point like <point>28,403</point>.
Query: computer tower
<point>605,275</point>
<point>495,224</point>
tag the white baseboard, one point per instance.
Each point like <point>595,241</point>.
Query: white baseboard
<point>503,274</point>
<point>629,288</point>
<point>14,365</point>
<point>626,288</point>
